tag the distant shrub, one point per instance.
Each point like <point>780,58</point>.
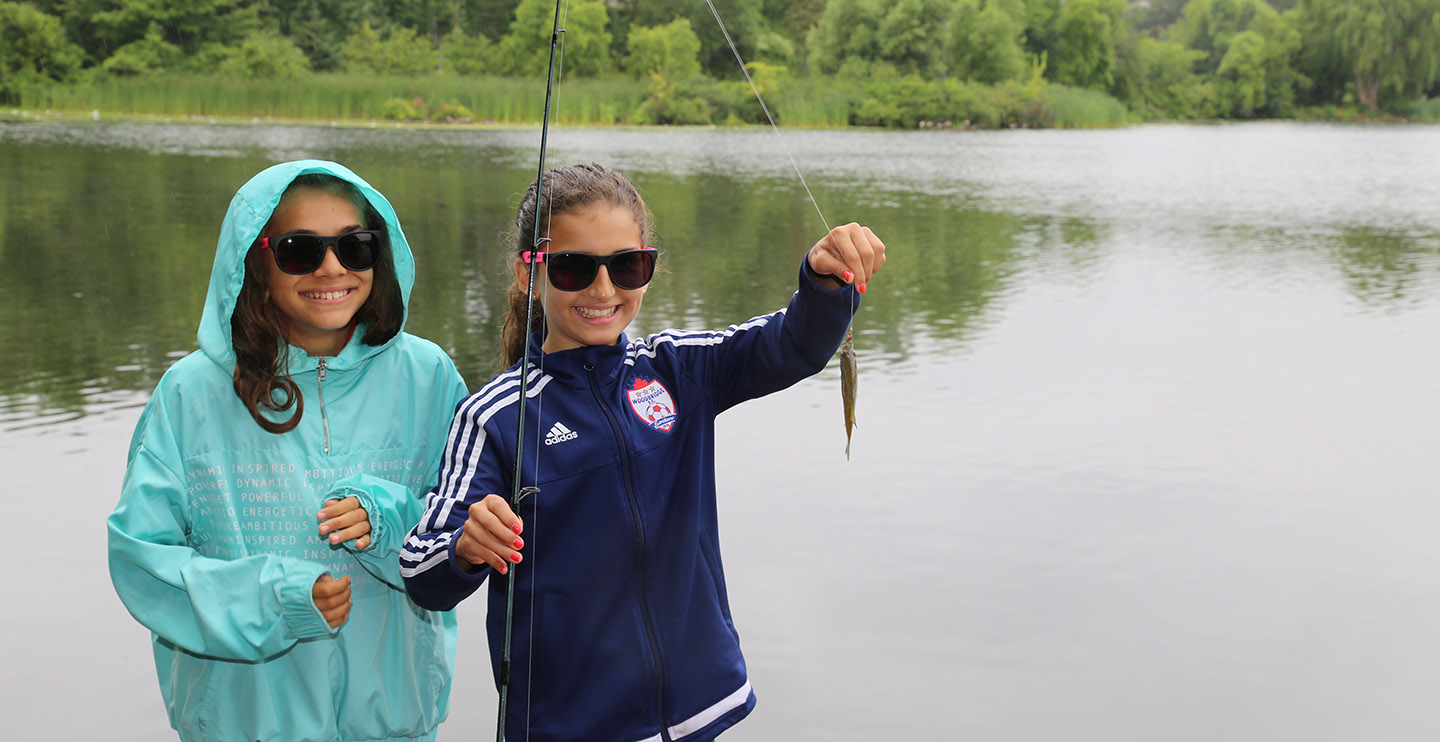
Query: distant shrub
<point>401,109</point>
<point>451,112</point>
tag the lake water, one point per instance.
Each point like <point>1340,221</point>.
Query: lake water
<point>1148,417</point>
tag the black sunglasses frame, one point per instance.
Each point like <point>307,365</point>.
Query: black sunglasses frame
<point>593,266</point>
<point>345,255</point>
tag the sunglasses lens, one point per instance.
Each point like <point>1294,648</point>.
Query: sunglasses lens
<point>358,251</point>
<point>570,271</point>
<point>297,254</point>
<point>631,270</point>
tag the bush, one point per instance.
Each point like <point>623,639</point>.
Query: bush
<point>400,109</point>
<point>671,104</point>
<point>34,48</point>
<point>262,56</point>
<point>150,54</point>
<point>468,55</point>
<point>402,53</point>
<point>672,50</point>
<point>451,112</point>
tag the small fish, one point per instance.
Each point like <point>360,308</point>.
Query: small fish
<point>848,379</point>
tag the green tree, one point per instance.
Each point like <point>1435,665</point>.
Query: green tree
<point>1159,15</point>
<point>748,30</point>
<point>525,49</point>
<point>1084,49</point>
<point>468,55</point>
<point>1209,25</point>
<point>672,50</point>
<point>1384,46</point>
<point>846,31</point>
<point>1242,75</point>
<point>149,54</point>
<point>187,25</point>
<point>911,36</point>
<point>986,45</point>
<point>1261,78</point>
<point>32,47</point>
<point>1169,87</point>
<point>403,53</point>
<point>264,56</point>
<point>1039,18</point>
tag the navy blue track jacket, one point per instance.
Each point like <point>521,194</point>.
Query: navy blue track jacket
<point>622,628</point>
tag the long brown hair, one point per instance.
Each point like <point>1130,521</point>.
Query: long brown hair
<point>566,189</point>
<point>257,326</point>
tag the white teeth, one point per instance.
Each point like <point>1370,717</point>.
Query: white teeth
<point>589,313</point>
<point>326,295</point>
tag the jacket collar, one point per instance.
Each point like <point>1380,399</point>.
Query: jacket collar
<point>574,367</point>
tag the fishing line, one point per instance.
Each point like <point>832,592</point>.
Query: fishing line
<point>773,127</point>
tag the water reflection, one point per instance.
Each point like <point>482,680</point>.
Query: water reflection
<point>108,236</point>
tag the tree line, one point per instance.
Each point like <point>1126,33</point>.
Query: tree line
<point>1163,59</point>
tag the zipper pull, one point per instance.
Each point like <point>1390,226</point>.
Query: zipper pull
<point>320,389</point>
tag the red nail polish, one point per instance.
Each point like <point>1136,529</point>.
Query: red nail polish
<point>862,288</point>
<point>517,543</point>
<point>849,275</point>
<point>503,570</point>
<point>516,527</point>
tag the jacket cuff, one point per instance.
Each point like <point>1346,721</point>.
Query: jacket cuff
<point>297,603</point>
<point>367,502</point>
<point>474,578</point>
<point>809,278</point>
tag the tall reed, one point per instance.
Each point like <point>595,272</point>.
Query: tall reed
<point>337,97</point>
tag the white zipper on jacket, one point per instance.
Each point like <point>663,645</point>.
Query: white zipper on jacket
<point>320,387</point>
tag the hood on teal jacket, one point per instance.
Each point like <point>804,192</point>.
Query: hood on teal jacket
<point>249,212</point>
<point>214,545</point>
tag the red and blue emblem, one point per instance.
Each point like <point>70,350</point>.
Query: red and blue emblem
<point>653,403</point>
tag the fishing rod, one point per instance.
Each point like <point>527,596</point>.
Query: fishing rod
<point>518,492</point>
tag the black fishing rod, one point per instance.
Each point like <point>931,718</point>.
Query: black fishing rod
<point>518,492</point>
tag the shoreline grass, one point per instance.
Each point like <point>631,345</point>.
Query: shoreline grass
<point>351,100</point>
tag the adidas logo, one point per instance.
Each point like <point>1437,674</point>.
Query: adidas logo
<point>559,434</point>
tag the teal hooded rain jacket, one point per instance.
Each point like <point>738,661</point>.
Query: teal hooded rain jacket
<point>215,547</point>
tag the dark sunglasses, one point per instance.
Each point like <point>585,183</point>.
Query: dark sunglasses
<point>575,271</point>
<point>298,254</point>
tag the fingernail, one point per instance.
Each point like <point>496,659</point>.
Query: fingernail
<point>503,569</point>
<point>320,515</point>
<point>334,538</point>
<point>862,288</point>
<point>517,543</point>
<point>849,275</point>
<point>515,557</point>
<point>324,527</point>
<point>516,527</point>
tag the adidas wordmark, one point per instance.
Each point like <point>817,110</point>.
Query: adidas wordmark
<point>559,434</point>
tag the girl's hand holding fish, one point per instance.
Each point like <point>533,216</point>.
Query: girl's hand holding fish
<point>850,253</point>
<point>491,535</point>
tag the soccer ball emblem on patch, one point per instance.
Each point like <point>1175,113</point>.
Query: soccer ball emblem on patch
<point>653,403</point>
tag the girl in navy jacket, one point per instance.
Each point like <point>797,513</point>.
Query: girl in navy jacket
<point>622,628</point>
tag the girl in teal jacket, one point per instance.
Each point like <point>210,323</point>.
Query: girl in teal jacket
<point>275,471</point>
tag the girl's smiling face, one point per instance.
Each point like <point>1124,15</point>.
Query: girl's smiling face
<point>318,306</point>
<point>598,313</point>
